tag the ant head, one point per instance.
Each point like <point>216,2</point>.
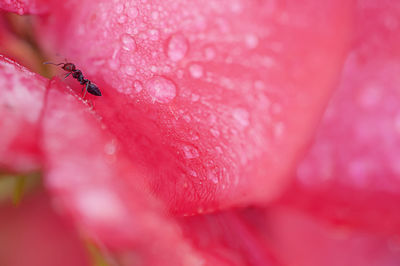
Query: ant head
<point>69,67</point>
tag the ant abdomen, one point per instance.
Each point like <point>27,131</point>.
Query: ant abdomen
<point>93,89</point>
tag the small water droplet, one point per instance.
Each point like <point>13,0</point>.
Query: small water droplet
<point>241,116</point>
<point>190,151</point>
<point>153,69</point>
<point>213,176</point>
<point>214,132</point>
<point>128,42</point>
<point>279,129</point>
<point>195,97</point>
<point>121,19</point>
<point>113,64</point>
<point>133,12</point>
<point>209,53</point>
<point>219,149</point>
<point>187,118</point>
<point>161,89</point>
<point>119,8</point>
<point>130,70</point>
<point>138,86</point>
<point>177,47</point>
<point>154,15</point>
<point>110,148</point>
<point>154,34</point>
<point>196,71</point>
<point>251,41</point>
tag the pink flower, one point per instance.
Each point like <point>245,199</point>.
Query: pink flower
<point>197,151</point>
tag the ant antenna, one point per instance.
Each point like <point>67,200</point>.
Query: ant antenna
<point>51,63</point>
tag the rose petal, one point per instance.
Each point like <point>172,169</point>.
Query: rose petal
<point>23,7</point>
<point>215,102</point>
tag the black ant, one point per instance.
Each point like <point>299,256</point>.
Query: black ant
<point>77,74</point>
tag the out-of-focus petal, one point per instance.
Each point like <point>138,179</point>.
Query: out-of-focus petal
<point>22,96</point>
<point>298,239</point>
<point>33,234</point>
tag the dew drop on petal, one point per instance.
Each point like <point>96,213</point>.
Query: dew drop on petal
<point>133,12</point>
<point>161,89</point>
<point>196,71</point>
<point>190,152</point>
<point>128,42</point>
<point>209,53</point>
<point>153,34</point>
<point>195,97</point>
<point>130,70</point>
<point>119,8</point>
<point>138,86</point>
<point>214,132</point>
<point>177,47</point>
<point>251,41</point>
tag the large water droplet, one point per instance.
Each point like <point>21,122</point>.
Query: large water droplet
<point>190,152</point>
<point>161,89</point>
<point>177,47</point>
<point>128,42</point>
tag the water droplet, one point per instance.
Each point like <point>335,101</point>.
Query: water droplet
<point>209,53</point>
<point>214,132</point>
<point>279,129</point>
<point>241,116</point>
<point>196,71</point>
<point>113,64</point>
<point>121,19</point>
<point>119,8</point>
<point>128,42</point>
<point>187,118</point>
<point>133,12</point>
<point>177,47</point>
<point>154,15</point>
<point>190,151</point>
<point>219,149</point>
<point>153,69</point>
<point>195,97</point>
<point>110,148</point>
<point>161,89</point>
<point>154,34</point>
<point>251,41</point>
<point>130,70</point>
<point>213,176</point>
<point>138,86</point>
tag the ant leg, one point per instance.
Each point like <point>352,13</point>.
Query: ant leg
<point>87,85</point>
<point>51,63</point>
<point>67,75</point>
